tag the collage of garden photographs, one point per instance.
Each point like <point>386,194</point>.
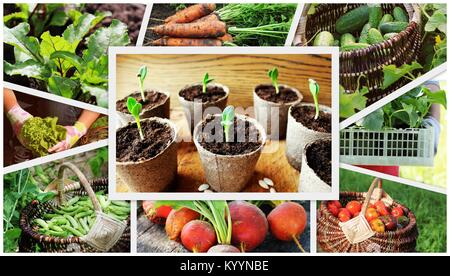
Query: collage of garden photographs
<point>224,128</point>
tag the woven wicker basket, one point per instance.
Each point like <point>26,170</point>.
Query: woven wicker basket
<point>400,49</point>
<point>331,238</point>
<point>31,239</point>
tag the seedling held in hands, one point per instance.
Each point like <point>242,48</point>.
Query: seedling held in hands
<point>206,80</point>
<point>314,88</point>
<point>141,75</point>
<point>227,121</point>
<point>273,74</point>
<point>135,109</point>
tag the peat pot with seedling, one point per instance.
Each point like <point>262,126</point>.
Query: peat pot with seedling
<point>315,174</point>
<point>199,97</point>
<point>146,152</point>
<point>306,123</point>
<point>272,103</point>
<point>154,103</point>
<point>229,146</point>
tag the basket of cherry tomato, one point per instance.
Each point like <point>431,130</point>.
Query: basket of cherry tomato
<point>393,225</point>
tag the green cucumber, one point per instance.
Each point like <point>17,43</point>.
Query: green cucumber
<point>393,27</point>
<point>324,39</point>
<point>386,18</point>
<point>375,15</point>
<point>347,38</point>
<point>354,46</point>
<point>353,20</point>
<point>389,35</point>
<point>374,36</point>
<point>364,32</point>
<point>400,15</point>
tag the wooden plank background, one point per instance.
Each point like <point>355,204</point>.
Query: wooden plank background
<point>241,73</point>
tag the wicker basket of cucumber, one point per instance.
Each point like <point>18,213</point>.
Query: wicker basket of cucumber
<point>370,36</point>
<point>81,218</point>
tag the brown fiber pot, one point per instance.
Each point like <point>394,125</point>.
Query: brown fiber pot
<point>162,111</point>
<point>310,182</point>
<point>154,174</point>
<point>229,173</point>
<point>298,136</point>
<point>266,111</point>
<point>194,110</point>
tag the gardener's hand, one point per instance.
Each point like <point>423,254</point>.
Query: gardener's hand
<point>74,133</point>
<point>17,116</point>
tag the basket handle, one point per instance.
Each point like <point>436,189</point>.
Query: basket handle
<point>83,180</point>
<point>375,182</point>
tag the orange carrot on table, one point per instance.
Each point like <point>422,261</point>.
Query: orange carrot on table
<point>191,13</point>
<point>226,38</point>
<point>209,17</point>
<point>192,30</point>
<point>175,41</point>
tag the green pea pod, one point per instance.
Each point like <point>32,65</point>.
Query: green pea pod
<point>41,223</point>
<point>56,228</point>
<point>60,234</point>
<point>72,230</point>
<point>50,216</point>
<point>102,201</point>
<point>84,224</point>
<point>58,220</point>
<point>83,214</point>
<point>72,201</point>
<point>120,209</point>
<point>72,221</point>
<point>121,203</point>
<point>69,209</point>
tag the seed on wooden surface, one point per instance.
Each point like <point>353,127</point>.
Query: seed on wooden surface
<point>263,184</point>
<point>268,181</point>
<point>208,191</point>
<point>203,187</point>
<point>272,190</point>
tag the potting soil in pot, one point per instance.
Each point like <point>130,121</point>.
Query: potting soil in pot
<point>268,93</point>
<point>318,156</point>
<point>251,144</point>
<point>305,116</point>
<point>152,99</point>
<point>131,148</point>
<point>195,93</point>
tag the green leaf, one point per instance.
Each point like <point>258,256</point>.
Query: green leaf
<point>114,35</point>
<point>436,97</point>
<point>82,25</point>
<point>228,116</point>
<point>11,239</point>
<point>96,71</point>
<point>349,102</point>
<point>131,102</point>
<point>142,73</point>
<point>29,68</point>
<point>177,204</point>
<point>392,74</point>
<point>100,92</point>
<point>374,121</point>
<point>17,37</point>
<point>23,16</point>
<point>51,44</point>
<point>412,114</point>
<point>63,86</point>
<point>438,21</point>
<point>70,58</point>
<point>59,18</point>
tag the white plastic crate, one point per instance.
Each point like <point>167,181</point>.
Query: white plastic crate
<point>393,147</point>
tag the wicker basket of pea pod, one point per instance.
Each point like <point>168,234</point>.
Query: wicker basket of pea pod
<point>79,219</point>
<point>368,62</point>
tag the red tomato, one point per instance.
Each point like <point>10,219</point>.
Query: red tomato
<point>371,214</point>
<point>333,207</point>
<point>354,207</point>
<point>335,203</point>
<point>390,223</point>
<point>397,212</point>
<point>344,215</point>
<point>357,214</point>
<point>381,208</point>
<point>377,225</point>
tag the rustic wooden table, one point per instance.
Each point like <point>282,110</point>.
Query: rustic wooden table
<point>152,238</point>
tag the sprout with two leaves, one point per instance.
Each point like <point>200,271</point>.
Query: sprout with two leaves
<point>273,74</point>
<point>227,122</point>
<point>206,80</point>
<point>135,109</point>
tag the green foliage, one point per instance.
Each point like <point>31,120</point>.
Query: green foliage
<point>392,73</point>
<point>227,121</point>
<point>55,59</point>
<point>41,134</point>
<point>205,82</point>
<point>273,75</point>
<point>98,161</point>
<point>349,102</point>
<point>141,76</point>
<point>135,110</point>
<point>19,190</point>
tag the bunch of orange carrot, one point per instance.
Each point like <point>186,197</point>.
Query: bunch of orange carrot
<point>196,25</point>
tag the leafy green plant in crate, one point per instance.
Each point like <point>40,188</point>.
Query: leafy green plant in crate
<point>55,60</point>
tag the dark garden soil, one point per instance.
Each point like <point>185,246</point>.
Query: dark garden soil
<point>215,142</point>
<point>130,147</point>
<point>195,93</point>
<point>268,93</point>
<point>159,13</point>
<point>305,116</point>
<point>318,157</point>
<point>152,99</point>
<point>130,14</point>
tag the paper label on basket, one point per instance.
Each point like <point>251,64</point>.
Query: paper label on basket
<point>382,195</point>
<point>357,229</point>
<point>105,232</point>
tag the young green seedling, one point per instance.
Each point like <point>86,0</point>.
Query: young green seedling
<point>227,121</point>
<point>314,88</point>
<point>273,74</point>
<point>141,75</point>
<point>135,109</point>
<point>206,80</point>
